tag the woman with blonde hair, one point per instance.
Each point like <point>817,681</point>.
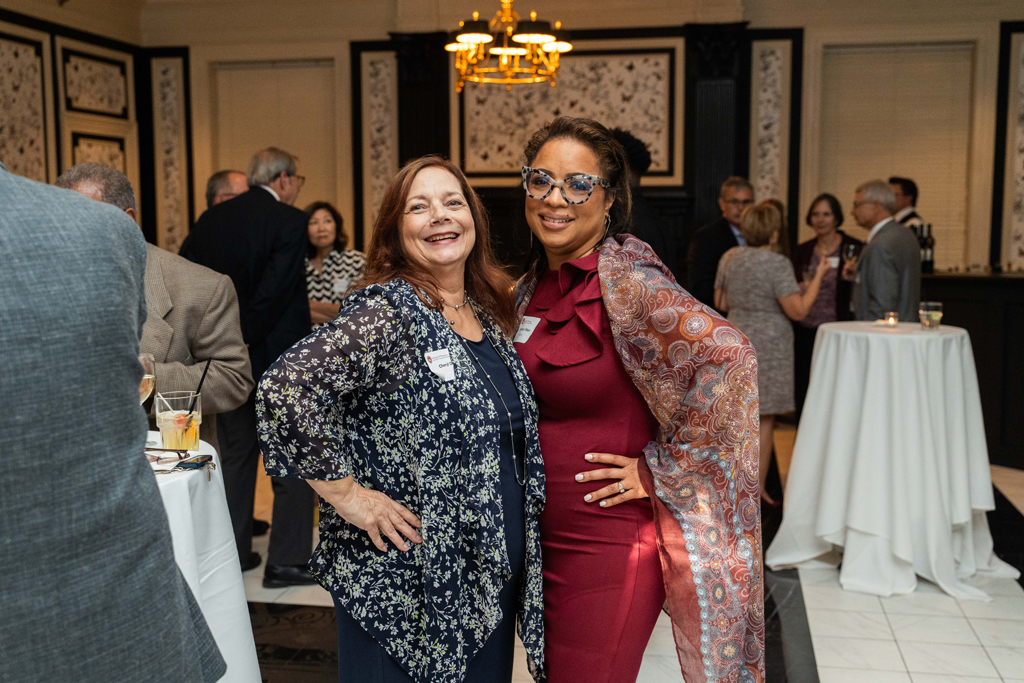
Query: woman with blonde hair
<point>756,287</point>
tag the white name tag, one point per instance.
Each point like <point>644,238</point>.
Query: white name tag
<point>526,329</point>
<point>341,286</point>
<point>440,363</point>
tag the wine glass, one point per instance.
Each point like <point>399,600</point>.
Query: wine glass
<point>850,254</point>
<point>148,376</point>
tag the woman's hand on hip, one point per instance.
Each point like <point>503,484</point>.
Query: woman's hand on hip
<point>628,486</point>
<point>372,511</point>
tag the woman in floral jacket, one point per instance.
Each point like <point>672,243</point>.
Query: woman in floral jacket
<point>411,430</point>
<point>649,430</point>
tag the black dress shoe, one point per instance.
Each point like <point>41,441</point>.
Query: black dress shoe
<point>254,561</point>
<point>283,575</point>
<point>259,527</point>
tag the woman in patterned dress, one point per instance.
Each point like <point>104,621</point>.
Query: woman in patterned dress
<point>755,285</point>
<point>648,427</point>
<point>331,269</point>
<point>412,417</point>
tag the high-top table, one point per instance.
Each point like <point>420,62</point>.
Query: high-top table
<point>890,464</point>
<point>205,550</point>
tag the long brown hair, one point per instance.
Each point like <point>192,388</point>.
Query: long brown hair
<point>612,159</point>
<point>486,282</point>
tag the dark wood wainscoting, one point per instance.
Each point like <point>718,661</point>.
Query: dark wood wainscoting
<point>991,309</point>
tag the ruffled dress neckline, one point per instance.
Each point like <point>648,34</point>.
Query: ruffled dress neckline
<point>570,300</point>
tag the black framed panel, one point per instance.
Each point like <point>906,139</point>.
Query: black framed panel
<point>25,138</point>
<point>360,155</point>
<point>75,64</point>
<point>569,102</point>
<point>1007,31</point>
<point>795,38</point>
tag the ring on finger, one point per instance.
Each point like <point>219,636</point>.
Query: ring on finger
<point>622,489</point>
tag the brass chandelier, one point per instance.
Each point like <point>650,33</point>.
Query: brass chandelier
<point>507,50</point>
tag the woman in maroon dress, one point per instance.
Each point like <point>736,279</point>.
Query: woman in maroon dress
<point>641,389</point>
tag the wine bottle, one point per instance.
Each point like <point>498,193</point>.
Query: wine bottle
<point>928,258</point>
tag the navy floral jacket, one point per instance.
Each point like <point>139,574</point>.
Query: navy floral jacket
<point>357,398</point>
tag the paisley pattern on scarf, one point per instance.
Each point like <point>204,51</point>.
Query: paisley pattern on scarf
<point>356,398</point>
<point>698,374</point>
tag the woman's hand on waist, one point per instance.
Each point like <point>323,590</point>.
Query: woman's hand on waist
<point>370,510</point>
<point>623,469</point>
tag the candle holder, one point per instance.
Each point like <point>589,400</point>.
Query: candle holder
<point>892,318</point>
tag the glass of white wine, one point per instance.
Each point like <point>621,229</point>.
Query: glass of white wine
<point>148,376</point>
<point>930,313</point>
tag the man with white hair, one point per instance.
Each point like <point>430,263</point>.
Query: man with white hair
<point>192,312</point>
<point>258,239</point>
<point>888,272</point>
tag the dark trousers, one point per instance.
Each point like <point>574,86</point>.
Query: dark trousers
<point>803,350</point>
<point>291,536</point>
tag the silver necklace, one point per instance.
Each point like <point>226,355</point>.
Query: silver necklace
<point>508,413</point>
<point>455,307</point>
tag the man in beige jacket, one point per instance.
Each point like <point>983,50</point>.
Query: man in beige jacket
<point>192,312</point>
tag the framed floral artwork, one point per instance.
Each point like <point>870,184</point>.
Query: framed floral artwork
<point>632,84</point>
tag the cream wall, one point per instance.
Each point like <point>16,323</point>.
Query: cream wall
<point>831,23</point>
<point>117,19</point>
<point>257,30</point>
<point>253,30</point>
<point>225,32</point>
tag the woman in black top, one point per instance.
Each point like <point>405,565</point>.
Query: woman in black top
<point>833,303</point>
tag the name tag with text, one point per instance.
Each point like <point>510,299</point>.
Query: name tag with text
<point>440,363</point>
<point>526,329</point>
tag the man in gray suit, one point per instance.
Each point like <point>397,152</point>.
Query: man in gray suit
<point>193,312</point>
<point>90,590</point>
<point>888,272</point>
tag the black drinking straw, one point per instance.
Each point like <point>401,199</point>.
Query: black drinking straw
<point>192,406</point>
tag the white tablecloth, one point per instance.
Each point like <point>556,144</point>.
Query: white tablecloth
<point>204,548</point>
<point>890,463</point>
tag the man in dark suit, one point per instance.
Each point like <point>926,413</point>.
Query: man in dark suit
<point>716,238</point>
<point>258,239</point>
<point>905,191</point>
<point>647,224</point>
<point>888,271</point>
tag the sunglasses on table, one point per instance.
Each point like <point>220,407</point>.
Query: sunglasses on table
<point>575,189</point>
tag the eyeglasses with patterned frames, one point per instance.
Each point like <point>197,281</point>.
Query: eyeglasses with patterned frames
<point>575,189</point>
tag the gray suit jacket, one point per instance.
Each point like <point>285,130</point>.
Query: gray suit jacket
<point>89,590</point>
<point>889,275</point>
<point>193,316</point>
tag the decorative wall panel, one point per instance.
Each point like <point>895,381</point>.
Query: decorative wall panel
<point>635,85</point>
<point>379,102</point>
<point>170,151</point>
<point>1013,250</point>
<point>770,118</point>
<point>101,149</point>
<point>96,107</point>
<point>95,85</point>
<point>26,122</point>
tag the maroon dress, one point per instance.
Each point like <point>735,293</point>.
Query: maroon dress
<point>602,573</point>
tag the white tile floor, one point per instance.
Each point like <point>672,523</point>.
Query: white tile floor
<point>924,637</point>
